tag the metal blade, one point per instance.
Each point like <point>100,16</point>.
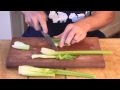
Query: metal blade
<point>49,40</point>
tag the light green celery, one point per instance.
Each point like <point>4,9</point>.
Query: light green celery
<point>33,71</point>
<point>42,56</point>
<point>56,42</point>
<point>27,70</point>
<point>71,73</point>
<point>20,45</point>
<point>59,57</point>
<point>48,51</point>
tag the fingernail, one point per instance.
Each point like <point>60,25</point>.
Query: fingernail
<point>61,46</point>
<point>67,44</point>
<point>73,42</point>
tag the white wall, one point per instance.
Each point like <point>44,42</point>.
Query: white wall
<point>5,25</point>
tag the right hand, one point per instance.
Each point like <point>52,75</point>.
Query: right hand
<point>36,19</point>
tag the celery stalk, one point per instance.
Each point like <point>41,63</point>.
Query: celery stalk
<point>27,70</point>
<point>41,56</point>
<point>48,51</point>
<point>71,73</point>
<point>59,57</point>
<point>33,71</point>
<point>56,42</point>
<point>30,73</point>
<point>20,45</point>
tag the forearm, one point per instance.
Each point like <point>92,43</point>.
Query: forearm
<point>97,20</point>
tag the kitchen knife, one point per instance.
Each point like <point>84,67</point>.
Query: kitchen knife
<point>49,40</point>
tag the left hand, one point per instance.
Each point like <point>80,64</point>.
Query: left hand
<point>73,33</point>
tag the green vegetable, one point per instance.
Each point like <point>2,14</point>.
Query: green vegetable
<point>34,71</point>
<point>59,57</point>
<point>66,57</point>
<point>71,73</point>
<point>48,51</point>
<point>56,42</point>
<point>42,56</point>
<point>20,45</point>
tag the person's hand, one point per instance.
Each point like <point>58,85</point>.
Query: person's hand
<point>73,33</point>
<point>36,19</point>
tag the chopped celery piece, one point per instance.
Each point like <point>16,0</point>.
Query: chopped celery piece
<point>41,56</point>
<point>59,57</point>
<point>56,42</point>
<point>48,51</point>
<point>27,70</point>
<point>65,57</point>
<point>20,45</point>
<point>33,71</point>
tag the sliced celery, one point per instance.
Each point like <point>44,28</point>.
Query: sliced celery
<point>41,56</point>
<point>59,57</point>
<point>33,71</point>
<point>20,45</point>
<point>57,40</point>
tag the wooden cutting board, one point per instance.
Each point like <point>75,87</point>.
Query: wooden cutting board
<point>19,57</point>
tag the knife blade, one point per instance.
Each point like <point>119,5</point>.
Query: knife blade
<point>49,40</point>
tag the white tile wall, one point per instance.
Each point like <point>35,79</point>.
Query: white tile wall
<point>5,25</point>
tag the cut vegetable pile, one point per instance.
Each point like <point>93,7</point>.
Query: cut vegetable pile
<point>27,70</point>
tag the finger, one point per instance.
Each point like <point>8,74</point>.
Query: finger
<point>35,22</point>
<point>64,35</point>
<point>77,38</point>
<point>43,23</point>
<point>70,37</point>
<point>28,21</point>
<point>73,41</point>
<point>82,37</point>
<point>31,23</point>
